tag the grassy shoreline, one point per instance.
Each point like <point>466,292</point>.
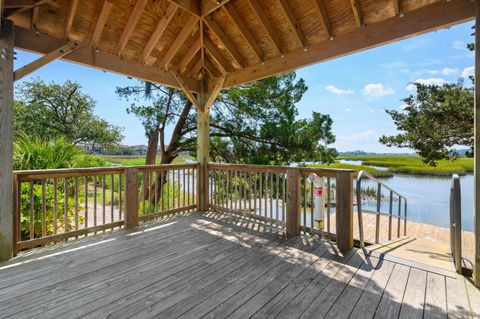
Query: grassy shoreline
<point>413,165</point>
<point>373,171</point>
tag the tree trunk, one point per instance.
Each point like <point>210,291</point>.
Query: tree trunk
<point>152,148</point>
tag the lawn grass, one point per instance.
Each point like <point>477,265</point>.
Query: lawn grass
<point>411,164</point>
<point>373,171</point>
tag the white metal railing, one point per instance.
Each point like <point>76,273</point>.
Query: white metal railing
<point>392,194</point>
<point>456,223</point>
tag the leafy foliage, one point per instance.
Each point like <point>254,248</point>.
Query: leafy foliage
<point>252,123</point>
<point>435,120</point>
<point>56,110</point>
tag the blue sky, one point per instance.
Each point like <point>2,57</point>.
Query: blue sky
<point>354,89</point>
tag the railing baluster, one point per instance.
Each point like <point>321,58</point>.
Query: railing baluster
<point>179,189</point>
<point>312,207</point>
<point>304,183</point>
<point>112,197</point>
<point>55,202</point>
<point>270,194</point>
<point>276,197</point>
<point>120,191</point>
<point>85,200</point>
<point>95,201</point>
<point>399,213</point>
<point>104,201</point>
<point>76,204</point>
<point>405,220</point>
<point>377,223</point>
<point>44,210</point>
<point>390,212</point>
<point>328,206</point>
<point>284,196</point>
<point>32,217</point>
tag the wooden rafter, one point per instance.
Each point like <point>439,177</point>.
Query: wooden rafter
<point>44,60</point>
<point>159,30</point>
<point>10,4</point>
<point>72,9</point>
<point>293,23</point>
<point>260,13</point>
<point>208,6</point>
<point>214,91</point>
<point>42,44</point>
<point>33,24</point>
<point>132,21</point>
<point>197,67</point>
<point>209,66</point>
<point>397,7</point>
<point>179,41</point>
<point>192,6</point>
<point>182,66</point>
<point>324,20</point>
<point>101,21</point>
<point>358,13</point>
<point>28,7</point>
<point>229,46</point>
<point>230,11</point>
<point>185,89</point>
<point>216,55</point>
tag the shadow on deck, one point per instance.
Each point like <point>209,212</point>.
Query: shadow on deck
<point>196,265</point>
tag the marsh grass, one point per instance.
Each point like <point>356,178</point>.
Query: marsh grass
<point>375,172</point>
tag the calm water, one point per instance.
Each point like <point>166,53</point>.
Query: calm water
<point>428,198</point>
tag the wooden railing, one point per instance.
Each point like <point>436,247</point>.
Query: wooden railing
<point>456,222</point>
<point>55,205</point>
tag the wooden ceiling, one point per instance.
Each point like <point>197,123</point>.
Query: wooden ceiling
<point>178,42</point>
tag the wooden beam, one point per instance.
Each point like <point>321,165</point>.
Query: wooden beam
<point>183,85</point>
<point>179,41</point>
<point>182,66</point>
<point>358,13</point>
<point>208,6</point>
<point>214,91</point>
<point>229,46</point>
<point>11,4</point>
<point>72,9</point>
<point>7,233</point>
<point>230,11</point>
<point>132,21</point>
<point>203,150</point>
<point>293,222</point>
<point>209,66</point>
<point>476,210</point>
<point>324,20</point>
<point>159,30</point>
<point>101,21</point>
<point>216,55</point>
<point>196,68</point>
<point>192,6</point>
<point>397,7</point>
<point>28,7</point>
<point>42,44</point>
<point>344,210</point>
<point>260,13</point>
<point>431,17</point>
<point>35,12</point>
<point>44,60</point>
<point>287,11</point>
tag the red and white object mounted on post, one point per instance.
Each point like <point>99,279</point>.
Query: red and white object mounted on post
<point>319,198</point>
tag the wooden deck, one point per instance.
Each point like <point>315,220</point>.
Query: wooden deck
<point>206,266</point>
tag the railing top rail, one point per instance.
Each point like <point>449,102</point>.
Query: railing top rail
<point>365,174</point>
<point>328,172</point>
<point>455,182</point>
<point>90,171</point>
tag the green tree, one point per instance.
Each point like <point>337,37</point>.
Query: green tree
<point>252,123</point>
<point>435,121</point>
<point>53,110</point>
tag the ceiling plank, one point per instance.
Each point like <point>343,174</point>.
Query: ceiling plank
<point>31,41</point>
<point>230,11</point>
<point>324,20</point>
<point>192,6</point>
<point>44,60</point>
<point>216,55</point>
<point>179,41</point>
<point>429,18</point>
<point>182,66</point>
<point>287,11</point>
<point>208,6</point>
<point>159,30</point>
<point>211,68</point>
<point>358,13</point>
<point>229,46</point>
<point>185,89</point>
<point>72,9</point>
<point>132,21</point>
<point>260,13</point>
<point>397,7</point>
<point>101,21</point>
<point>196,68</point>
<point>28,7</point>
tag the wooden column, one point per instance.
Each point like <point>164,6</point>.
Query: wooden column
<point>131,197</point>
<point>344,210</point>
<point>203,149</point>
<point>476,210</point>
<point>6,140</point>
<point>293,202</point>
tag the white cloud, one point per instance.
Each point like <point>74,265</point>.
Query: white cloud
<point>348,109</point>
<point>459,45</point>
<point>362,136</point>
<point>444,71</point>
<point>403,106</point>
<point>468,72</point>
<point>333,89</point>
<point>377,90</point>
<point>430,81</point>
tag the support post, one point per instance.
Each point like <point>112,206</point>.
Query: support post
<point>6,140</point>
<point>344,211</point>
<point>203,149</point>
<point>476,205</point>
<point>293,202</point>
<point>131,198</point>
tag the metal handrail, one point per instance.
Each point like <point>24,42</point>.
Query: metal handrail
<point>363,174</point>
<point>456,223</point>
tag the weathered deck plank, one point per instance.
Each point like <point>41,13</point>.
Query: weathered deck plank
<point>199,266</point>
